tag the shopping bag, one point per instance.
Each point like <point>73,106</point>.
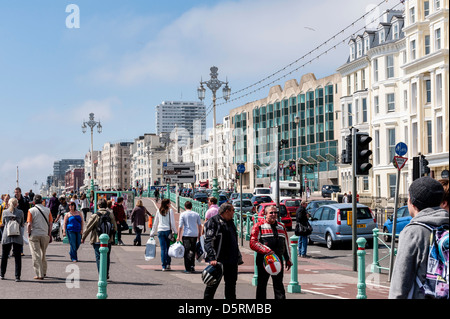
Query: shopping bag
<point>176,250</point>
<point>150,249</point>
<point>200,252</point>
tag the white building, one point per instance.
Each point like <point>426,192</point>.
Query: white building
<point>201,153</point>
<point>147,156</point>
<point>188,116</point>
<point>114,169</point>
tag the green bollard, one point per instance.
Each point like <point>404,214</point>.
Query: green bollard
<point>255,273</point>
<point>375,267</point>
<point>294,287</point>
<point>361,268</point>
<point>247,227</point>
<point>102,283</point>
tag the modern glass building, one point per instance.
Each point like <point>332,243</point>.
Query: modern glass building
<point>303,116</point>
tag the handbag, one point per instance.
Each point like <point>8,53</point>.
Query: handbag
<point>303,230</point>
<point>171,235</point>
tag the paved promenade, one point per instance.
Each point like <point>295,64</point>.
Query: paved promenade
<point>131,277</point>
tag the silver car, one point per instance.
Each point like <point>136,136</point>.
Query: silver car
<point>330,226</point>
<point>247,206</point>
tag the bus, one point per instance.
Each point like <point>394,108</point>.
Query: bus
<point>288,190</point>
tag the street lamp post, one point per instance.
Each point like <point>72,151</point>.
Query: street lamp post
<point>214,84</point>
<point>91,123</point>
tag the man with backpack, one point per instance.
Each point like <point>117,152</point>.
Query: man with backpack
<point>102,222</point>
<point>412,276</point>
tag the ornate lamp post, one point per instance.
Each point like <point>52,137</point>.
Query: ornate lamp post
<point>214,84</point>
<point>91,123</point>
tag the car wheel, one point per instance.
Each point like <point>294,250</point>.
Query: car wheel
<point>330,243</point>
<point>386,238</point>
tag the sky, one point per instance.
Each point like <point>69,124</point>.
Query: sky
<point>61,60</point>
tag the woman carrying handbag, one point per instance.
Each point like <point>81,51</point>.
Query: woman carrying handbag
<point>164,225</point>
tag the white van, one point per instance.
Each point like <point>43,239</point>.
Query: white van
<point>261,191</point>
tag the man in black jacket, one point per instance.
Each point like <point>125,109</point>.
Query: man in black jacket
<point>221,245</point>
<point>302,219</point>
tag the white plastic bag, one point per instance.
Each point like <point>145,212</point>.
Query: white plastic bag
<point>176,250</point>
<point>150,249</point>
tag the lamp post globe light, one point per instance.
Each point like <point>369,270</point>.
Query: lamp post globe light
<point>92,123</point>
<point>214,84</point>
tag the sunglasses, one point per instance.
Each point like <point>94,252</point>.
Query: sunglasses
<point>274,212</point>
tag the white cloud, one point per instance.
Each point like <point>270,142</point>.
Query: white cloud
<point>246,38</point>
<point>103,109</point>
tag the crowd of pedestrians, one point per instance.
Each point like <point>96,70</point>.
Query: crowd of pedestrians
<point>428,205</point>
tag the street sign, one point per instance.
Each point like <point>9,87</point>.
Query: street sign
<point>401,149</point>
<point>179,172</point>
<point>241,168</point>
<point>399,162</point>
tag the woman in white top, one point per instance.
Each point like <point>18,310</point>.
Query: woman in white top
<point>164,225</point>
<point>85,205</point>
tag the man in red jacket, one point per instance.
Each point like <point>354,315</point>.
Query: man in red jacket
<point>121,218</point>
<point>267,237</point>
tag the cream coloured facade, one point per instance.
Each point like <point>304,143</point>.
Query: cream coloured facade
<point>114,168</point>
<point>426,80</point>
<point>394,84</point>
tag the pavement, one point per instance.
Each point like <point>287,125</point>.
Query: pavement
<point>131,277</point>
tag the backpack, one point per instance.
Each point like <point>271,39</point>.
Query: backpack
<point>13,228</point>
<point>104,225</point>
<point>436,279</point>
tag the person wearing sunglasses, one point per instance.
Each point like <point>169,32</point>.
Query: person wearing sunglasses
<point>270,237</point>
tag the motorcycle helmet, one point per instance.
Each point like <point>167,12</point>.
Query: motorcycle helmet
<point>272,264</point>
<point>212,274</point>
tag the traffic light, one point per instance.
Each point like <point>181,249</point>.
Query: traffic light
<point>362,153</point>
<point>424,166</point>
<point>347,152</point>
<point>237,175</point>
<point>416,167</point>
<point>292,168</point>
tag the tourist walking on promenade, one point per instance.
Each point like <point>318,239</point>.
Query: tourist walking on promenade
<point>92,228</point>
<point>138,217</point>
<point>85,205</point>
<point>189,230</point>
<point>121,219</point>
<point>39,231</point>
<point>73,228</point>
<point>164,225</point>
<point>11,214</point>
<point>270,237</point>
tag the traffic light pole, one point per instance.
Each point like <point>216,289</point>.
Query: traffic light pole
<point>394,227</point>
<point>354,207</point>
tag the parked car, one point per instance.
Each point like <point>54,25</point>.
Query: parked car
<point>292,205</point>
<point>284,215</point>
<point>327,190</point>
<point>222,199</point>
<point>314,204</point>
<point>258,199</point>
<point>330,226</point>
<point>238,196</point>
<point>403,219</point>
<point>247,206</point>
<point>201,197</point>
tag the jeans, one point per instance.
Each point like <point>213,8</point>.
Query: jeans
<point>74,242</point>
<point>230,274</point>
<point>189,252</point>
<point>121,226</point>
<point>164,242</point>
<point>6,248</point>
<point>302,245</point>
<point>97,257</point>
<point>137,240</point>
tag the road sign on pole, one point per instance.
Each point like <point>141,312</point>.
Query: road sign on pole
<point>401,149</point>
<point>399,162</point>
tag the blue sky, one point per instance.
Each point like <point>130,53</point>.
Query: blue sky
<point>129,56</point>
